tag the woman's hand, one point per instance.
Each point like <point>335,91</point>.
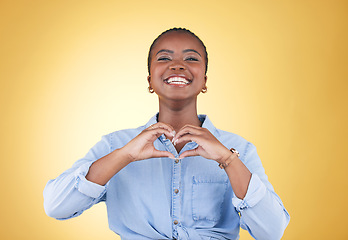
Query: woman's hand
<point>208,146</point>
<point>141,147</point>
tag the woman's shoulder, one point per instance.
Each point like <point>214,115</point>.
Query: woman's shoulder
<point>129,132</point>
<point>233,140</point>
<point>229,139</point>
<point>232,137</point>
<point>121,137</point>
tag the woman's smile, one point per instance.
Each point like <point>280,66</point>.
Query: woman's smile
<point>178,81</point>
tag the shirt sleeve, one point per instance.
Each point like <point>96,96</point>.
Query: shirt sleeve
<point>71,193</point>
<point>262,212</point>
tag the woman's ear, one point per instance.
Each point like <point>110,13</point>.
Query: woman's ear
<point>149,79</point>
<point>149,88</point>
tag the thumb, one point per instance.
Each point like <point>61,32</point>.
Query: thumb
<point>157,154</point>
<point>189,153</point>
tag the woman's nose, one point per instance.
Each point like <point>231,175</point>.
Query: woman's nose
<point>177,65</point>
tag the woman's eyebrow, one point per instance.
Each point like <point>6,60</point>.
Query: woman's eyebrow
<point>191,50</point>
<point>164,50</point>
<point>184,51</point>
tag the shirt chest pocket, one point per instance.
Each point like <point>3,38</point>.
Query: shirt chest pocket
<point>208,194</point>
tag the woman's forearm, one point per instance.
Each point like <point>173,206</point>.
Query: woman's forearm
<point>139,148</point>
<point>239,176</point>
<point>102,170</point>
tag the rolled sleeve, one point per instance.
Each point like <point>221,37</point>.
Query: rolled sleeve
<point>86,187</point>
<point>262,212</point>
<point>256,191</point>
<point>71,193</point>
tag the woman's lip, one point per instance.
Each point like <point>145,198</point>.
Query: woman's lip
<point>177,81</point>
<point>177,75</point>
<point>177,84</point>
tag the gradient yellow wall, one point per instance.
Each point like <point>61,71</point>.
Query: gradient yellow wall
<point>72,71</point>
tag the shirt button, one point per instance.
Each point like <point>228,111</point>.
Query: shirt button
<point>176,190</point>
<point>176,160</point>
<point>176,222</point>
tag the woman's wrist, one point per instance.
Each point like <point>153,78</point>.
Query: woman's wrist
<point>231,155</point>
<point>225,156</point>
<point>125,154</point>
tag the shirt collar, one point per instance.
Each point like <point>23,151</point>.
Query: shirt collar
<point>208,124</point>
<point>202,117</point>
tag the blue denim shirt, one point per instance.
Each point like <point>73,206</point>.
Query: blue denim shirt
<point>162,198</point>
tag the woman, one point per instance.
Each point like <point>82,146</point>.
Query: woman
<point>177,177</point>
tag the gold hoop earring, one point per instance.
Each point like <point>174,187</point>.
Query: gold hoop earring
<point>204,90</point>
<point>150,89</point>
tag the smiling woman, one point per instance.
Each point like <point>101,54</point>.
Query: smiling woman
<point>198,182</point>
<point>177,68</point>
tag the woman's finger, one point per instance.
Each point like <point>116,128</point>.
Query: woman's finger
<point>157,132</point>
<point>191,126</point>
<point>157,154</point>
<point>164,126</point>
<point>189,153</point>
<point>188,129</point>
<point>187,138</point>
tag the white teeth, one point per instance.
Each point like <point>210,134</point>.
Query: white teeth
<point>178,80</point>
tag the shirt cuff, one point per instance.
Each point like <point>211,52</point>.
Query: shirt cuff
<point>86,187</point>
<point>256,191</point>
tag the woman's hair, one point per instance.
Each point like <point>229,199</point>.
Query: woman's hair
<point>177,30</point>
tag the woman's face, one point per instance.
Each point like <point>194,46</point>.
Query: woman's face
<point>177,69</point>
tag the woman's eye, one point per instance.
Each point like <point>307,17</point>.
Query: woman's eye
<point>191,59</point>
<point>163,59</point>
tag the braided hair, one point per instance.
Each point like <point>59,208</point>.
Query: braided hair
<point>176,30</point>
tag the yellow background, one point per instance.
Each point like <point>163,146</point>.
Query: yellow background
<point>72,71</point>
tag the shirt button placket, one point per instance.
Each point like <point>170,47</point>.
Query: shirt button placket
<point>175,193</point>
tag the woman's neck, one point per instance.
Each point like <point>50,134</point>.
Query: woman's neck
<point>179,116</point>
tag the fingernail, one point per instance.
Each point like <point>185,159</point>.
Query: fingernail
<point>175,141</point>
<point>173,133</point>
